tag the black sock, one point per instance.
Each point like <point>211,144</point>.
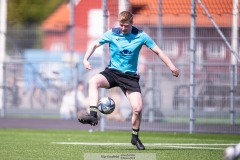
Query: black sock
<point>134,135</point>
<point>93,111</point>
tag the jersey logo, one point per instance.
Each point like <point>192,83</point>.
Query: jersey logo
<point>125,52</point>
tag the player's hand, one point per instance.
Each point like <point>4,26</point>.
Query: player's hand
<point>175,72</point>
<point>86,64</point>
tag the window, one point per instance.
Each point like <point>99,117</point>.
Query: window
<point>199,51</point>
<point>216,50</point>
<point>57,46</point>
<point>170,48</point>
<point>95,25</point>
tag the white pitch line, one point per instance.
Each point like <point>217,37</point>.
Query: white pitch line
<point>93,144</point>
<point>190,147</point>
<point>191,144</point>
<point>168,145</point>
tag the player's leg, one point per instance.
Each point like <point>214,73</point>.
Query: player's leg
<point>96,82</point>
<point>135,100</point>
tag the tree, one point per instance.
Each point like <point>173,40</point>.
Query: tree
<point>23,19</point>
<point>30,11</point>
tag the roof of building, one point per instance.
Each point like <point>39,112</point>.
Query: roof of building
<point>177,12</point>
<point>176,7</point>
<point>59,20</point>
<point>174,13</point>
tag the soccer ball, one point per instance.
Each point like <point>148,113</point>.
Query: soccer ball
<point>232,152</point>
<point>106,105</point>
<point>237,150</point>
<point>229,153</point>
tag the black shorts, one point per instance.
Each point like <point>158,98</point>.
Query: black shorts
<point>127,82</point>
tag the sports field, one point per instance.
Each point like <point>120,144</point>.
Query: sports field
<point>73,144</point>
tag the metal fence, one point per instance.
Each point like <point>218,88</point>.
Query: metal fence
<point>34,85</point>
<point>29,93</point>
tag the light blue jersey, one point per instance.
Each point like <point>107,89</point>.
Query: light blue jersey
<point>125,48</point>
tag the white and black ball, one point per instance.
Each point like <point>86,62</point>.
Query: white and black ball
<point>106,105</point>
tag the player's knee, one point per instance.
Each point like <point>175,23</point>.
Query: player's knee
<point>137,110</point>
<point>92,83</point>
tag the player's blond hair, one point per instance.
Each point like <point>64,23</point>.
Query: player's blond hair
<point>125,16</point>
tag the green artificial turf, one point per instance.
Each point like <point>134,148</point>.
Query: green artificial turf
<point>23,144</point>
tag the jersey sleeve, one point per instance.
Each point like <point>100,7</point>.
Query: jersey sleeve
<point>148,41</point>
<point>105,38</point>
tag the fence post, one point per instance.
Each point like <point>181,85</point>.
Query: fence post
<point>192,67</point>
<point>151,113</point>
<point>3,29</point>
<point>4,87</point>
<point>159,31</point>
<point>232,95</point>
<point>105,18</point>
<point>233,72</point>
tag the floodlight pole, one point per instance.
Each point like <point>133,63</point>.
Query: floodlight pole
<point>71,48</point>
<point>159,31</point>
<point>3,29</point>
<point>192,67</point>
<point>123,5</point>
<point>71,33</point>
<point>105,19</point>
<point>233,72</point>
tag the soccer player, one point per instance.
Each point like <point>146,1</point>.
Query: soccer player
<point>125,43</point>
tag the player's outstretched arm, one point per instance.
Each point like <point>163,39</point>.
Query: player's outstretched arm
<point>88,54</point>
<point>166,60</point>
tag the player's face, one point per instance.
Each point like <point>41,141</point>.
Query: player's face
<point>126,27</point>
